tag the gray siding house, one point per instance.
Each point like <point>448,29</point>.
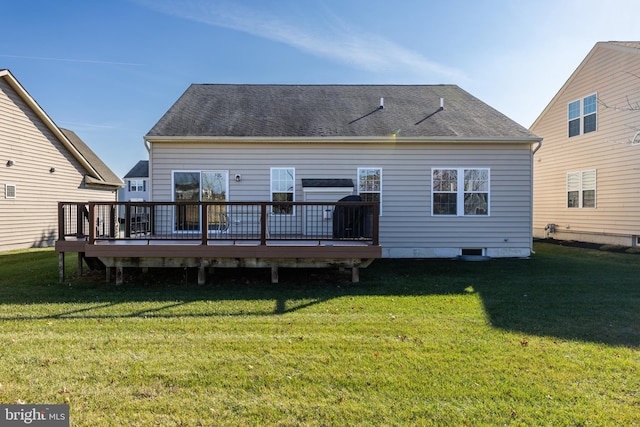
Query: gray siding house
<point>452,175</point>
<point>40,165</point>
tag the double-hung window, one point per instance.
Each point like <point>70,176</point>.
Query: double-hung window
<point>370,184</point>
<point>460,191</point>
<point>137,185</point>
<point>582,115</point>
<point>581,189</point>
<point>283,190</point>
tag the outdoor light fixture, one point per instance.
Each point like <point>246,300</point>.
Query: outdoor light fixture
<point>52,170</point>
<point>9,162</point>
<point>238,177</point>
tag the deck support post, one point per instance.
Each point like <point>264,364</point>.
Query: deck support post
<point>202,275</point>
<point>80,267</point>
<point>355,275</point>
<point>274,274</point>
<point>107,274</point>
<point>119,275</point>
<point>61,267</point>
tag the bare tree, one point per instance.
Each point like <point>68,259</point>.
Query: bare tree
<point>631,103</point>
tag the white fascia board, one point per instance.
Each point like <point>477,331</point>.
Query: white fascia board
<point>341,140</point>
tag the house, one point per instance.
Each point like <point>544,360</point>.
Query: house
<point>452,175</point>
<point>41,164</point>
<point>318,176</point>
<point>587,174</point>
<point>136,183</point>
<point>136,189</point>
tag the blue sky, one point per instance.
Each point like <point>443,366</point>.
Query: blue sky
<point>109,69</point>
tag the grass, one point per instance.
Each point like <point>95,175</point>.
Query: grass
<point>553,340</point>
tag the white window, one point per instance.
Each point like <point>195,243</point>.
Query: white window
<point>370,185</point>
<point>460,191</point>
<point>581,189</point>
<point>9,191</point>
<point>283,189</point>
<point>137,185</point>
<point>582,115</point>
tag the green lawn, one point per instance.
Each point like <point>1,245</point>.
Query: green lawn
<point>553,340</point>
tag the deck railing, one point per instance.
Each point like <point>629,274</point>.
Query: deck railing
<point>220,221</point>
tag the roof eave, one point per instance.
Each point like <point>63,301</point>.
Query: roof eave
<point>344,139</point>
<point>91,181</point>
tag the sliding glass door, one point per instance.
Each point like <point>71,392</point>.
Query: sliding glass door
<point>200,186</point>
<point>214,189</point>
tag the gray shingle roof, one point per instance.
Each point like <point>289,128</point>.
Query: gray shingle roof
<point>140,170</point>
<point>107,177</point>
<point>214,110</point>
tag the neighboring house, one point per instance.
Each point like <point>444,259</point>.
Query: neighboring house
<point>587,174</point>
<point>40,165</point>
<point>136,189</point>
<point>136,184</point>
<point>452,175</point>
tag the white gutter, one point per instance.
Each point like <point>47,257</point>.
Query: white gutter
<point>341,139</point>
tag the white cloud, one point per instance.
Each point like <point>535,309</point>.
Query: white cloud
<point>86,61</point>
<point>337,42</point>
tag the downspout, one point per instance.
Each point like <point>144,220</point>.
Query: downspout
<point>533,153</point>
<point>536,149</point>
<point>147,145</point>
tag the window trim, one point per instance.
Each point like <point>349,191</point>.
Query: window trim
<point>293,190</point>
<point>582,116</point>
<point>460,191</point>
<point>6,191</point>
<point>379,192</point>
<point>581,188</point>
<point>142,184</point>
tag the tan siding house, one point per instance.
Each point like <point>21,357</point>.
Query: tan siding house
<point>41,164</point>
<point>452,175</point>
<point>587,173</point>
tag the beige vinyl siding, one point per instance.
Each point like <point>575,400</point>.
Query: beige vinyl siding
<point>30,220</point>
<point>612,73</point>
<point>407,227</point>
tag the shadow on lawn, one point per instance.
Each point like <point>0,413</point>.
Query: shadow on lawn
<point>571,294</point>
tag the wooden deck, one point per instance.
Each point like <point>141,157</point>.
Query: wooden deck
<point>94,231</point>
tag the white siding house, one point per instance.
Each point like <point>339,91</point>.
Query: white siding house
<point>41,164</point>
<point>587,174</point>
<point>452,175</point>
<point>136,183</point>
